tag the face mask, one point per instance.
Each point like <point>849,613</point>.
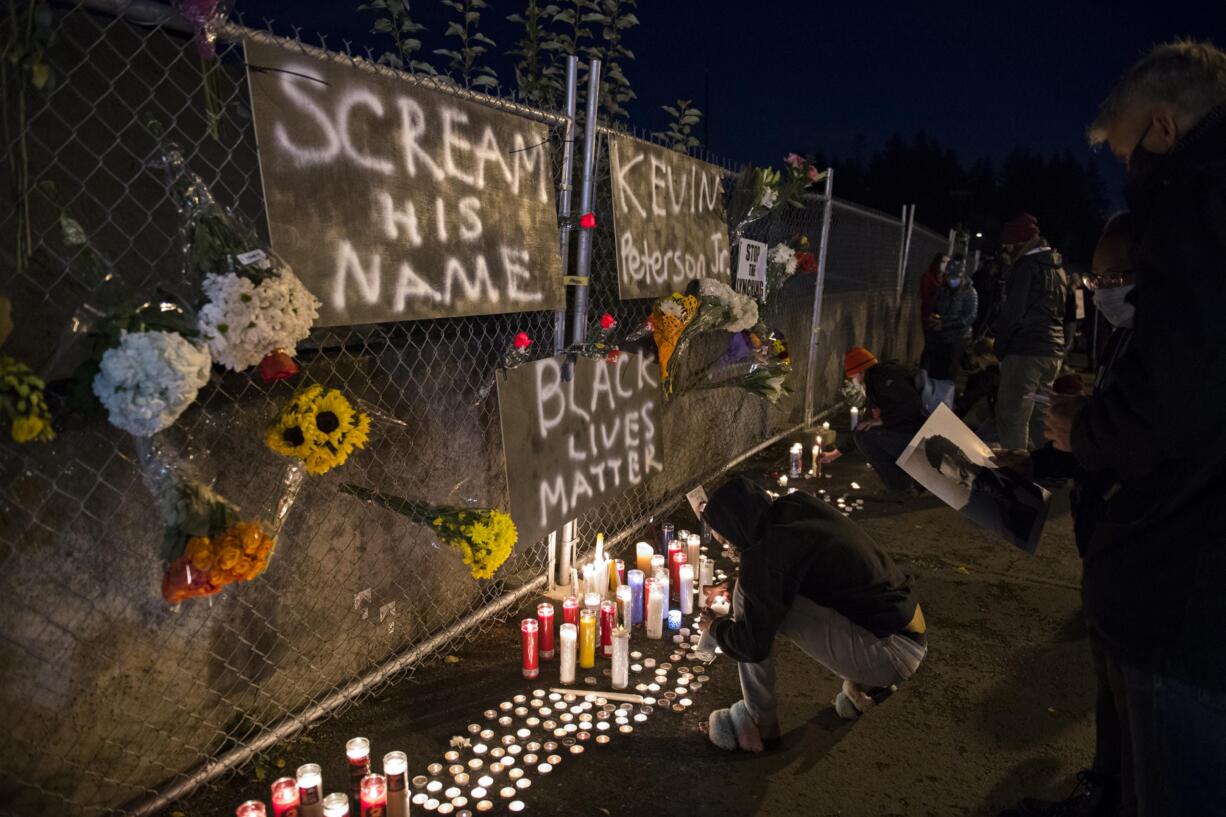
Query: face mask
<point>954,283</point>
<point>943,265</point>
<point>1112,304</point>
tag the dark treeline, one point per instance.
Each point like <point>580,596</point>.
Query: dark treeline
<point>1065,193</point>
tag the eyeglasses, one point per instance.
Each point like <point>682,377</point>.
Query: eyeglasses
<point>1108,278</point>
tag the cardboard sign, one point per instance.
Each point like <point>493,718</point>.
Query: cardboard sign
<point>668,217</point>
<point>751,261</point>
<point>572,445</point>
<point>394,202</point>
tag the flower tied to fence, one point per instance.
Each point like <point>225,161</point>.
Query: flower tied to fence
<point>482,537</point>
<point>320,427</point>
<point>23,404</point>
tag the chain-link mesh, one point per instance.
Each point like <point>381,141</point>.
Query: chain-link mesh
<point>110,695</point>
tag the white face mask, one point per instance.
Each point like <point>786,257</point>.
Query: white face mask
<point>1115,309</point>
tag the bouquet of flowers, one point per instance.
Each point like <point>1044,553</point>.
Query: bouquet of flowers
<point>669,318</point>
<point>255,309</point>
<point>147,379</point>
<point>482,537</point>
<point>773,188</point>
<point>320,427</point>
<point>22,403</point>
<point>760,365</point>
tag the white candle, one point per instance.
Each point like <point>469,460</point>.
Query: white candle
<point>568,635</point>
<point>686,588</point>
<point>662,582</point>
<point>693,545</point>
<point>825,426</point>
<point>395,769</point>
<point>855,417</point>
<point>655,611</point>
<point>817,459</point>
<point>621,658</point>
<point>574,582</point>
<point>625,604</point>
<point>783,481</point>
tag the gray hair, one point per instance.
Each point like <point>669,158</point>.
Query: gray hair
<point>1188,74</point>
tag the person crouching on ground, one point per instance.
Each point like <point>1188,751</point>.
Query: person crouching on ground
<point>812,575</point>
<point>895,414</point>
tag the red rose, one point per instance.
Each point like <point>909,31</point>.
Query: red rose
<point>612,356</point>
<point>277,365</point>
<point>587,221</point>
<point>806,262</point>
<point>607,321</point>
<point>522,341</point>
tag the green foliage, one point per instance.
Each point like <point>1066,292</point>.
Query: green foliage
<point>538,77</point>
<point>570,34</point>
<point>465,58</point>
<point>679,135</point>
<point>394,19</point>
<point>615,17</point>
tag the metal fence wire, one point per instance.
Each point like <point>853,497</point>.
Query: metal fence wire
<point>112,697</point>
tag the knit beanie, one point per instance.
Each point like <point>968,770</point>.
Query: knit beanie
<point>857,360</point>
<point>1019,230</point>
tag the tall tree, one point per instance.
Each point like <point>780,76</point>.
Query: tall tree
<point>465,60</point>
<point>394,19</point>
<point>538,78</point>
<point>615,17</point>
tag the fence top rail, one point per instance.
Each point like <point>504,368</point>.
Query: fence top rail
<point>867,212</point>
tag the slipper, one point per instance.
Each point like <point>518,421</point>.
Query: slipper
<point>731,729</point>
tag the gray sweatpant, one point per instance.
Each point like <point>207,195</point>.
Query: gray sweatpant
<point>1019,419</point>
<point>834,641</point>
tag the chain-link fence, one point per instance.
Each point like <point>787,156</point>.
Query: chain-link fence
<point>112,697</point>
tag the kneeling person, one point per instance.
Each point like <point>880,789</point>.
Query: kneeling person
<point>812,575</point>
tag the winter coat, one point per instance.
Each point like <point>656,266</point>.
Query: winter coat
<point>797,546</point>
<point>929,287</point>
<point>1155,565</point>
<point>957,308</point>
<point>1031,317</point>
<point>890,388</point>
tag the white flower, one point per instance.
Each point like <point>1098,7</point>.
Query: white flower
<point>242,322</point>
<point>785,256</point>
<point>670,307</point>
<point>743,309</point>
<point>769,197</point>
<point>149,379</point>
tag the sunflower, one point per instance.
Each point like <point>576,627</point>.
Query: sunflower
<point>319,427</point>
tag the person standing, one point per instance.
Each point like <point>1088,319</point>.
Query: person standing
<point>1029,331</point>
<point>957,304</point>
<point>895,412</point>
<point>929,288</point>
<point>1155,564</point>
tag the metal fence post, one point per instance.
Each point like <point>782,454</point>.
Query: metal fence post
<point>810,383</point>
<point>565,186</point>
<point>583,259</point>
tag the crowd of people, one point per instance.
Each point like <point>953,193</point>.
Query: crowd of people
<point>1143,449</point>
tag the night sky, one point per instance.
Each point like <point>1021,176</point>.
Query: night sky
<point>774,76</point>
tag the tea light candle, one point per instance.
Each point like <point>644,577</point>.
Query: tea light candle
<point>310,790</point>
<point>635,579</point>
<point>686,574</point>
<point>621,658</point>
<point>544,618</point>
<point>783,481</point>
<point>855,417</point>
<point>608,620</point>
<point>587,639</point>
<point>570,610</point>
<point>528,630</point>
<point>674,619</point>
<point>655,611</point>
<point>336,805</point>
<point>358,752</point>
<point>374,796</point>
<point>251,808</point>
<point>625,605</point>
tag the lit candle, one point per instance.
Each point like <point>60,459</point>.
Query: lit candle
<point>310,790</point>
<point>574,582</point>
<point>658,562</point>
<point>663,583</point>
<point>674,619</point>
<point>374,796</point>
<point>621,658</point>
<point>707,570</point>
<point>566,637</point>
<point>666,533</point>
<point>635,580</point>
<point>336,805</point>
<point>855,417</point>
<point>591,601</point>
<point>817,460</point>
<point>396,770</point>
<point>783,481</point>
<point>608,620</point>
<point>252,808</point>
<point>693,549</point>
<point>588,583</point>
<point>687,589</point>
<point>587,639</point>
<point>528,632</point>
<point>617,574</point>
<point>544,616</point>
<point>625,605</point>
<point>285,797</point>
<point>826,426</point>
<point>707,644</point>
<point>655,611</point>
<point>675,560</point>
<point>642,557</point>
<point>358,752</point>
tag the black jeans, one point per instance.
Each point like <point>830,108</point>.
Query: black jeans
<point>881,447</point>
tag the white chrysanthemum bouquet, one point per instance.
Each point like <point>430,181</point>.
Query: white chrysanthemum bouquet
<point>148,378</point>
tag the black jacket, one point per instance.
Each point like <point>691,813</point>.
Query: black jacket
<point>1031,316</point>
<point>797,545</point>
<point>1155,567</point>
<point>958,308</point>
<point>890,388</point>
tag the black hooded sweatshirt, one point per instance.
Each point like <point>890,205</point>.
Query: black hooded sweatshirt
<point>798,545</point>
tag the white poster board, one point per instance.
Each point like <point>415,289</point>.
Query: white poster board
<point>751,261</point>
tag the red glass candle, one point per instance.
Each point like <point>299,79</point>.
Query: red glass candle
<point>285,797</point>
<point>528,630</point>
<point>358,752</point>
<point>608,620</point>
<point>570,610</point>
<point>374,796</point>
<point>676,558</point>
<point>310,790</point>
<point>252,808</point>
<point>544,617</point>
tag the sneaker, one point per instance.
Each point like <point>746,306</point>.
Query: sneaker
<point>1094,795</point>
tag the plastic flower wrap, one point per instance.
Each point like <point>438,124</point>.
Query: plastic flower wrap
<point>253,305</point>
<point>758,364</point>
<point>22,403</point>
<point>598,343</point>
<point>482,537</point>
<point>149,378</point>
<point>669,318</point>
<point>722,307</point>
<point>320,427</point>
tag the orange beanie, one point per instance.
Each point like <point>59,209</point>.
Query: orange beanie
<point>857,360</point>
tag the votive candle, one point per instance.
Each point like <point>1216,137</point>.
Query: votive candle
<point>621,658</point>
<point>658,562</point>
<point>566,640</point>
<point>625,605</point>
<point>635,579</point>
<point>591,601</point>
<point>358,752</point>
<point>374,796</point>
<point>642,557</point>
<point>251,808</point>
<point>687,589</point>
<point>310,790</point>
<point>396,770</point>
<point>608,620</point>
<point>528,633</point>
<point>663,583</point>
<point>676,558</point>
<point>693,549</point>
<point>587,639</point>
<point>544,617</point>
<point>336,805</point>
<point>617,574</point>
<point>285,797</point>
<point>674,619</point>
<point>655,611</point>
<point>570,610</point>
<point>855,417</point>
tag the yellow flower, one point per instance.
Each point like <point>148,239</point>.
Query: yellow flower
<point>22,402</point>
<point>199,551</point>
<point>487,542</point>
<point>30,428</point>
<point>320,427</point>
<point>333,416</point>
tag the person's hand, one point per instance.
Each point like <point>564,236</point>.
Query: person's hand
<point>705,619</point>
<point>934,321</point>
<point>871,422</point>
<point>1016,460</point>
<point>714,591</point>
<point>828,457</point>
<point>1060,418</point>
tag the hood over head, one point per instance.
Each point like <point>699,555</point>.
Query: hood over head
<point>736,511</point>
